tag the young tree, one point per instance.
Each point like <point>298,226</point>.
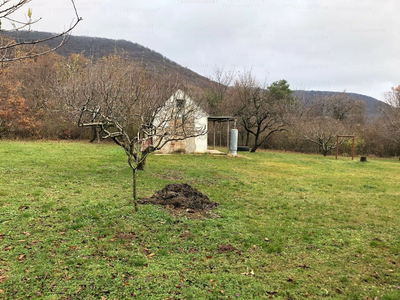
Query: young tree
<point>133,108</point>
<point>262,110</point>
<point>20,46</point>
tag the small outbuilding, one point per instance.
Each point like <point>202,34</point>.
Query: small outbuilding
<point>199,120</point>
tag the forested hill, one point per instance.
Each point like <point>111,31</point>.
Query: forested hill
<point>372,105</point>
<point>99,47</point>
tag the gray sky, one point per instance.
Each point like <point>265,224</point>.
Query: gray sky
<point>332,45</point>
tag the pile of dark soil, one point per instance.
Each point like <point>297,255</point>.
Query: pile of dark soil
<point>181,196</point>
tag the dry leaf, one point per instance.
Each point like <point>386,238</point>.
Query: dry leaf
<point>21,257</point>
<point>185,235</point>
<point>151,255</point>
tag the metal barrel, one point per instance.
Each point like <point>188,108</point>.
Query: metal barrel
<point>234,141</point>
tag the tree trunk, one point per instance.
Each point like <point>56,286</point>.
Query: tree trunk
<point>134,174</point>
<point>94,134</point>
<point>142,165</point>
<point>254,148</point>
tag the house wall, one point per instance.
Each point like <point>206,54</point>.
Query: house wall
<point>201,141</point>
<point>190,145</point>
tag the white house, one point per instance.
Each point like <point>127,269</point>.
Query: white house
<point>179,118</point>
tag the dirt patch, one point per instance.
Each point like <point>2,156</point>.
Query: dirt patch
<point>181,198</point>
<point>225,248</point>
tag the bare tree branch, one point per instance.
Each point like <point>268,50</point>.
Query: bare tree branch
<point>8,46</point>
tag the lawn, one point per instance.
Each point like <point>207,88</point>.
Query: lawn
<point>303,226</point>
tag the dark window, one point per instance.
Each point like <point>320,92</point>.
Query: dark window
<point>180,103</point>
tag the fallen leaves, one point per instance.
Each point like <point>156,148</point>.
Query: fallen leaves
<point>185,235</point>
<point>125,236</point>
<point>21,257</point>
<point>225,248</point>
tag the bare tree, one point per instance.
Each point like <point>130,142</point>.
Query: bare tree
<point>20,46</point>
<point>139,112</point>
<point>323,131</point>
<point>391,120</point>
<point>217,92</point>
<point>259,110</point>
<point>327,117</point>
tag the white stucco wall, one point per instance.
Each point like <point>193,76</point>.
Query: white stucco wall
<point>201,141</point>
<point>194,144</point>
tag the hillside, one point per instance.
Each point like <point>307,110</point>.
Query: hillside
<point>372,105</point>
<point>99,47</point>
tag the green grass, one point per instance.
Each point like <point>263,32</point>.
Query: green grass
<point>68,229</point>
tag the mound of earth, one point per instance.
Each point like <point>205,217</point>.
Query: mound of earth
<point>181,196</point>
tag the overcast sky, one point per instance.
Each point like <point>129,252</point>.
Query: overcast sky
<point>331,45</point>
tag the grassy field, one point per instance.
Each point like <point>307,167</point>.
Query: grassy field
<point>69,231</point>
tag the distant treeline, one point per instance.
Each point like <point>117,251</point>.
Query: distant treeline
<point>36,97</point>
